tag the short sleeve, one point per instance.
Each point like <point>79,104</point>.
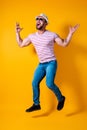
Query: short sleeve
<point>56,35</point>
<point>27,39</point>
<point>30,36</point>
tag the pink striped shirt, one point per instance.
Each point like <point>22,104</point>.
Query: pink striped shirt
<point>44,45</point>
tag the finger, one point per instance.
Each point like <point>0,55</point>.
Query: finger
<point>21,28</point>
<point>76,26</point>
<point>17,24</point>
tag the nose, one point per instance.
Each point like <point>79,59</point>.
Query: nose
<point>38,22</point>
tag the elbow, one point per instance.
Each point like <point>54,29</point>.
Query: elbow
<point>20,43</point>
<point>21,46</point>
<point>65,44</point>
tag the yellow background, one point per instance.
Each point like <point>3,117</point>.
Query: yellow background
<point>17,66</point>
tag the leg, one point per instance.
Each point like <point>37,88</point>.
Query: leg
<point>50,76</point>
<point>38,76</point>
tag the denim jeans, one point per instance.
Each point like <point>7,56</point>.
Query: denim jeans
<point>47,69</point>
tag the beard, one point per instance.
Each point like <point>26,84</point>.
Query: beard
<point>39,27</point>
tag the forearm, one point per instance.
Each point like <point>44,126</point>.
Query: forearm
<point>66,41</point>
<point>19,39</point>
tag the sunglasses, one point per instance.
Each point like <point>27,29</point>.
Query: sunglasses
<point>41,19</point>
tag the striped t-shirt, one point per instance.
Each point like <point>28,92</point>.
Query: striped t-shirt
<point>44,45</point>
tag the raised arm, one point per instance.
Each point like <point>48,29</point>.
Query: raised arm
<point>66,41</point>
<point>21,42</point>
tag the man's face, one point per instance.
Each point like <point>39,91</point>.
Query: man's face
<point>40,23</point>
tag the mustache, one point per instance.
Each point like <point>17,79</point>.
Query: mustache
<point>39,28</point>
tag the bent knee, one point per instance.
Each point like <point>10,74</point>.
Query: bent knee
<point>49,84</point>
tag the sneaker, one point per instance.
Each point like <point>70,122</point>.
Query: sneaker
<point>33,108</point>
<point>61,103</point>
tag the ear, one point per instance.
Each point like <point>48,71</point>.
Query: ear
<point>46,23</point>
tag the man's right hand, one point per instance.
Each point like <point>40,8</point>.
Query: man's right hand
<point>18,29</point>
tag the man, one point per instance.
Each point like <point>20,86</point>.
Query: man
<point>43,41</point>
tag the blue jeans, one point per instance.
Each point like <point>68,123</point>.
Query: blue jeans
<point>47,69</point>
